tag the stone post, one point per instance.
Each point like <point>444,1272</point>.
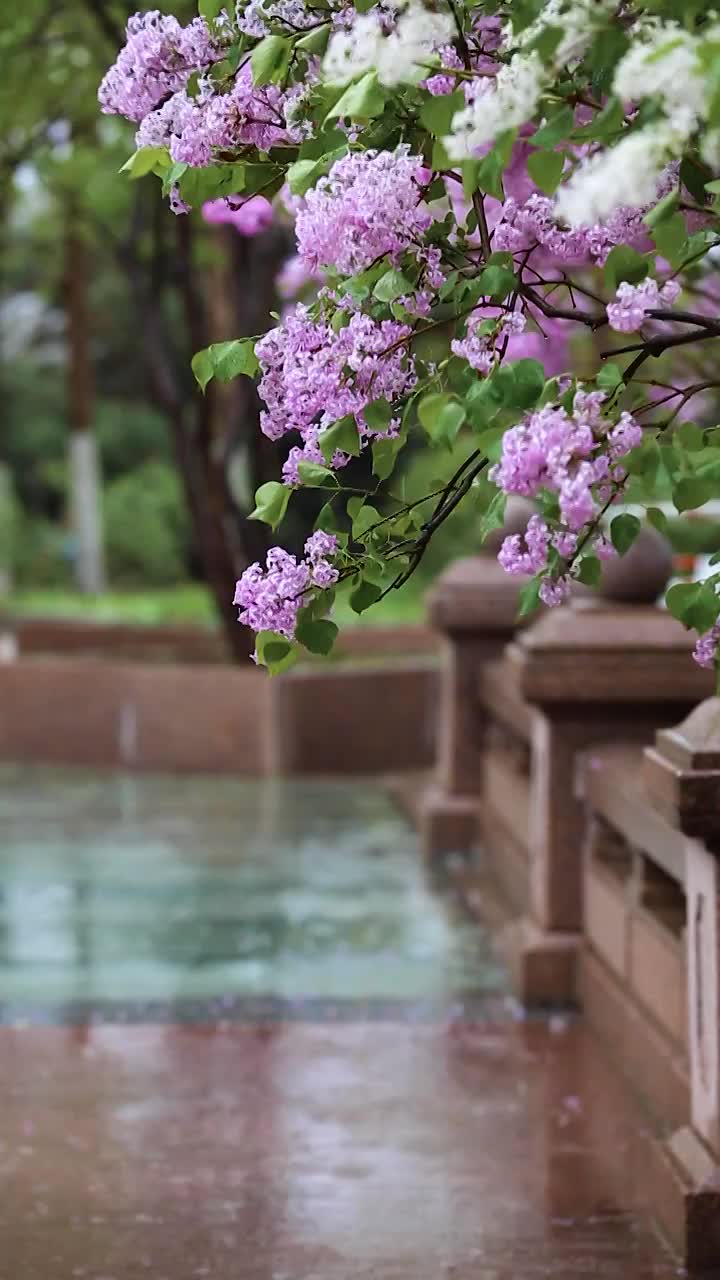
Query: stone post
<point>593,673</point>
<point>474,606</point>
<point>682,775</point>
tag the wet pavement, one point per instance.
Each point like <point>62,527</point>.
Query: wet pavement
<point>242,1038</point>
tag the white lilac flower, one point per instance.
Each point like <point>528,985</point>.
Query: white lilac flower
<point>575,19</point>
<point>504,103</point>
<point>401,56</point>
<point>625,175</point>
<point>667,67</point>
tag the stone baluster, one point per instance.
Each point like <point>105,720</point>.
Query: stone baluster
<point>682,776</point>
<point>474,606</point>
<point>599,670</point>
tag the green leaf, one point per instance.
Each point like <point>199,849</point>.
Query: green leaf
<point>610,377</point>
<point>484,175</point>
<point>393,284</point>
<point>496,282</point>
<point>303,174</point>
<point>670,237</point>
<point>231,359</point>
<point>693,491</point>
<point>316,635</point>
<point>210,9</point>
<point>271,501</point>
<point>442,416</point>
<point>362,100</point>
<point>623,532</point>
<point>315,41</point>
<point>556,129</point>
<point>546,169</point>
<point>657,519</point>
<point>314,476</point>
<point>275,651</point>
<point>590,571</point>
<point>494,514</point>
<point>437,112</point>
<point>327,519</point>
<point>384,454</point>
<point>366,518</point>
<point>432,344</point>
<point>378,413</point>
<point>663,210</point>
<point>364,596</point>
<point>695,604</point>
<point>529,597</point>
<point>147,160</point>
<point>341,437</point>
<point>270,59</point>
<point>690,436</point>
<point>520,384</point>
<point>203,367</point>
<point>225,360</point>
<point>694,176</point>
<point>623,263</point>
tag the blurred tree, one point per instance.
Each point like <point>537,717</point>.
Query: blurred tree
<point>145,271</point>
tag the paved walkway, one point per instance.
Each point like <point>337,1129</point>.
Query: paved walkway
<point>243,1040</point>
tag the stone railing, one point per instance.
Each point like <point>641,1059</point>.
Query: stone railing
<point>650,961</point>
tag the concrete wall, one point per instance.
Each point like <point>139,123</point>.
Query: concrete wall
<point>332,718</point>
<point>365,719</point>
<point>185,642</point>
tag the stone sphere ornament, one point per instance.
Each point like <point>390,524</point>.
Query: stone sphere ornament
<point>642,574</point>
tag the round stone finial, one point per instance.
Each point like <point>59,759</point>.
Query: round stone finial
<point>641,575</point>
<point>517,513</point>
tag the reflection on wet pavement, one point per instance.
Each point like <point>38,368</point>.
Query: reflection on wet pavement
<point>322,1079</point>
<point>161,890</point>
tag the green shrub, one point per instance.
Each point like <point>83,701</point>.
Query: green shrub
<point>146,528</point>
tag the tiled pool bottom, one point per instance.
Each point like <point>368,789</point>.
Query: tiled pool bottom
<point>147,898</point>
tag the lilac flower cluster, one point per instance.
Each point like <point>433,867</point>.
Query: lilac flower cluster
<point>312,376</point>
<point>257,17</point>
<point>576,456</point>
<point>194,128</point>
<point>248,216</point>
<point>441,83</point>
<point>477,347</point>
<point>370,205</point>
<point>269,599</point>
<point>705,652</point>
<point>632,302</point>
<point>533,223</point>
<point>157,60</point>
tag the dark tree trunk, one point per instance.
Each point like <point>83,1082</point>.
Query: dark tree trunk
<point>209,431</point>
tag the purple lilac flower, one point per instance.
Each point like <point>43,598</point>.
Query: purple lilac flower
<point>526,553</point>
<point>478,348</point>
<point>532,223</point>
<point>627,311</point>
<point>194,128</point>
<point>554,591</point>
<point>369,205</point>
<point>440,84</point>
<point>312,376</point>
<point>706,650</point>
<point>158,59</point>
<point>270,598</point>
<point>248,217</point>
<point>573,455</point>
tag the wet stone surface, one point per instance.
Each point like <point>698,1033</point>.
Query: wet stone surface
<point>243,1039</point>
<point>161,894</point>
